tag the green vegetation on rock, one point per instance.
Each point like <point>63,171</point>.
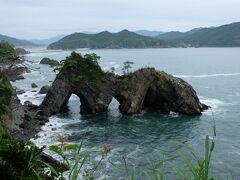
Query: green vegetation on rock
<point>7,52</point>
<point>6,92</point>
<point>81,69</point>
<point>127,65</point>
<point>18,159</point>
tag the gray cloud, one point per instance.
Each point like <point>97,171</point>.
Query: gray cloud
<point>43,18</point>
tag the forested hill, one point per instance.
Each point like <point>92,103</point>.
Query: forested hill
<point>222,36</point>
<point>15,41</point>
<point>122,39</point>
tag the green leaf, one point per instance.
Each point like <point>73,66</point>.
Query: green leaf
<point>73,147</point>
<point>55,149</point>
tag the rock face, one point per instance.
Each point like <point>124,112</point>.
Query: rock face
<point>19,91</point>
<point>159,90</point>
<point>10,63</point>
<point>46,60</point>
<point>22,121</point>
<point>15,73</point>
<point>144,88</point>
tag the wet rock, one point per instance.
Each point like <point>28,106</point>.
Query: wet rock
<point>19,91</point>
<point>53,162</point>
<point>41,123</point>
<point>42,118</point>
<point>34,85</point>
<point>29,104</point>
<point>15,73</point>
<point>44,89</point>
<point>48,61</point>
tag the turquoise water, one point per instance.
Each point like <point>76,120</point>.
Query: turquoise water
<point>213,72</point>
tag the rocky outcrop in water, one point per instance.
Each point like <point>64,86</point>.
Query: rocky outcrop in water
<point>21,51</point>
<point>10,63</point>
<point>146,87</point>
<point>48,61</point>
<point>34,85</point>
<point>15,73</point>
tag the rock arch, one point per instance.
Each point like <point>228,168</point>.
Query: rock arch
<point>143,88</point>
<point>146,87</point>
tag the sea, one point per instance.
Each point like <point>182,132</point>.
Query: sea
<point>149,137</point>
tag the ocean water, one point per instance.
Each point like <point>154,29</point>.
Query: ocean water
<point>213,72</point>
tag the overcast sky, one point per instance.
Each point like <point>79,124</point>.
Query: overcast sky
<point>28,19</point>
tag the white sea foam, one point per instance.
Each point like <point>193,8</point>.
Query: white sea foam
<point>33,97</point>
<point>208,75</point>
<point>50,131</point>
<point>214,103</point>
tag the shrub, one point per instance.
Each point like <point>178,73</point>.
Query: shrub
<point>83,70</point>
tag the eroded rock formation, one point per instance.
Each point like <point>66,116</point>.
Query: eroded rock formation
<point>48,61</point>
<point>146,87</point>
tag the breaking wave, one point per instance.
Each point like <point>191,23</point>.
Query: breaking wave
<point>208,75</point>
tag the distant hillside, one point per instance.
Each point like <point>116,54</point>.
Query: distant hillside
<point>222,36</point>
<point>16,42</point>
<point>123,39</point>
<point>149,33</point>
<point>176,34</point>
<point>47,41</point>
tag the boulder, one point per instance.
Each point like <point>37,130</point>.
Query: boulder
<point>146,87</point>
<point>21,51</point>
<point>19,91</point>
<point>44,89</point>
<point>34,85</point>
<point>48,61</point>
<point>28,103</point>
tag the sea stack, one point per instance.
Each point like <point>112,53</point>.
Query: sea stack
<point>145,87</point>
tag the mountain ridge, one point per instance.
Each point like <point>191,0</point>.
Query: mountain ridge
<point>108,40</point>
<point>227,35</point>
<point>15,41</point>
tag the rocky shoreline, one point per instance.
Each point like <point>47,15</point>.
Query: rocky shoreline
<point>22,121</point>
<point>145,87</point>
<point>25,123</point>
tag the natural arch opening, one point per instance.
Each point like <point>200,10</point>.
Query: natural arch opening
<point>74,104</point>
<point>113,108</point>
